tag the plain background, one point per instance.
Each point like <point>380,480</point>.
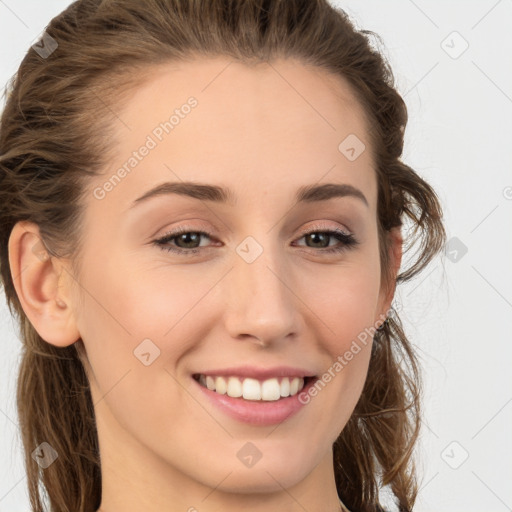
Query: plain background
<point>458,313</point>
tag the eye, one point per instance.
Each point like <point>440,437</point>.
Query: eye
<point>186,241</point>
<point>182,235</point>
<point>346,240</point>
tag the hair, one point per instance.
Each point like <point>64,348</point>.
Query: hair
<point>56,131</point>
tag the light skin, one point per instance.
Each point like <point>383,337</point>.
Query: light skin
<point>163,446</point>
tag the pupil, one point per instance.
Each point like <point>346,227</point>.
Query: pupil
<point>186,236</point>
<point>317,235</point>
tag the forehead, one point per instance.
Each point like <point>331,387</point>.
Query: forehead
<point>253,128</point>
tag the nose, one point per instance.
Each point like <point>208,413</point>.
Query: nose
<point>262,307</point>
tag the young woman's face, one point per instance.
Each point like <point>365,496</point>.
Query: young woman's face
<point>259,297</point>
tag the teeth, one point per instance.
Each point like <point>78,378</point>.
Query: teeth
<point>234,387</point>
<point>294,387</point>
<point>252,389</point>
<point>271,389</point>
<point>221,385</point>
<point>285,387</point>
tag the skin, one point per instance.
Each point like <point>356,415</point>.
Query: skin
<point>163,446</point>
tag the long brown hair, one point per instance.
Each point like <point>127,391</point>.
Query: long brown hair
<point>55,133</point>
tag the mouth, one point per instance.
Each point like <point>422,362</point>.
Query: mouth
<point>268,390</point>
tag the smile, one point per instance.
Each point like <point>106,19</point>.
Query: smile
<point>271,389</point>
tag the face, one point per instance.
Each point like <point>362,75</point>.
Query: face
<point>258,286</point>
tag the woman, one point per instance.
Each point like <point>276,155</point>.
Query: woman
<point>168,169</point>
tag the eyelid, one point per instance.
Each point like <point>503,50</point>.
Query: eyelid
<point>204,227</point>
<point>319,226</point>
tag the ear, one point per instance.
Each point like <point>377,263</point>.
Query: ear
<point>395,261</point>
<point>42,286</point>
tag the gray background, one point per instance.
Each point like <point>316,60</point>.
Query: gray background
<point>459,312</point>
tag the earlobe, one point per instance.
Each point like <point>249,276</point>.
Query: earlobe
<point>41,286</point>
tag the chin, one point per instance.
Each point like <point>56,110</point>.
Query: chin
<point>263,477</point>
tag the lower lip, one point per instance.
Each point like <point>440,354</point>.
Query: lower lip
<point>257,412</point>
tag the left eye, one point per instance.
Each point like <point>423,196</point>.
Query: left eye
<point>191,238</point>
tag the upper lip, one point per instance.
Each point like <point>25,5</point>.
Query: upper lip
<point>259,373</point>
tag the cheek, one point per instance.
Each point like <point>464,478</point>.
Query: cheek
<point>135,302</point>
<point>130,312</point>
<point>345,300</point>
<point>123,327</point>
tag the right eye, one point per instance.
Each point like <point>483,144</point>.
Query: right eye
<point>183,236</point>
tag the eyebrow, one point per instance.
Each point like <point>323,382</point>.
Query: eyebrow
<point>217,194</point>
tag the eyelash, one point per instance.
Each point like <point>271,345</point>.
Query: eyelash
<point>347,240</point>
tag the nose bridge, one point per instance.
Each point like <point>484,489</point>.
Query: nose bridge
<point>261,304</point>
